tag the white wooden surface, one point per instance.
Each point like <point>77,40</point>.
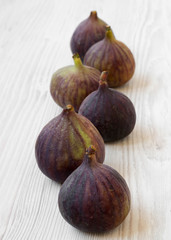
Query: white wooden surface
<point>34,42</point>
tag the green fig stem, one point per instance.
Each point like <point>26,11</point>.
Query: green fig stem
<point>109,34</point>
<point>77,60</point>
<point>103,78</point>
<point>93,14</point>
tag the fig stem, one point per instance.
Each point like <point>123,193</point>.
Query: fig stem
<point>91,150</point>
<point>93,14</point>
<point>109,34</point>
<point>90,155</point>
<point>77,60</point>
<point>69,107</point>
<point>103,78</point>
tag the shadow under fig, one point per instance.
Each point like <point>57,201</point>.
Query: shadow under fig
<point>132,227</point>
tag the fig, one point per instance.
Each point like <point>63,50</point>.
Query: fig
<point>71,84</point>
<point>95,197</point>
<point>113,56</point>
<point>111,112</point>
<point>88,32</point>
<point>61,144</point>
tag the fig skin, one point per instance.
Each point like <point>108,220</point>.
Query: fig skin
<point>111,112</point>
<point>95,197</point>
<point>61,144</point>
<point>113,56</point>
<point>87,33</point>
<point>71,84</point>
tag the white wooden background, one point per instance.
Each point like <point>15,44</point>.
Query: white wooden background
<point>34,42</point>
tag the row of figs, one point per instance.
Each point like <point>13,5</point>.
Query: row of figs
<point>70,149</point>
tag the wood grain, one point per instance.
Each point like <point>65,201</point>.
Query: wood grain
<point>34,42</point>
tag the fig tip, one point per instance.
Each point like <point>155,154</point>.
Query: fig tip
<point>104,73</point>
<point>108,27</point>
<point>76,55</point>
<point>77,60</point>
<point>93,14</point>
<point>109,33</point>
<point>69,107</point>
<point>91,150</point>
<point>103,77</point>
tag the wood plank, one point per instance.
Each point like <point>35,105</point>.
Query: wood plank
<point>34,42</point>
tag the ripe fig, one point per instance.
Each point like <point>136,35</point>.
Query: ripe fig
<point>113,56</point>
<point>71,84</point>
<point>95,197</point>
<point>111,112</point>
<point>88,32</point>
<point>61,144</point>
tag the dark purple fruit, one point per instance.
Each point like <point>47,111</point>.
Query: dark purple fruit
<point>111,112</point>
<point>95,197</point>
<point>61,144</point>
<point>113,56</point>
<point>71,84</point>
<point>87,33</point>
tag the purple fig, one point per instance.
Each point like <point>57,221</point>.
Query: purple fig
<point>111,112</point>
<point>61,144</point>
<point>95,197</point>
<point>71,84</point>
<point>87,33</point>
<point>113,56</point>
